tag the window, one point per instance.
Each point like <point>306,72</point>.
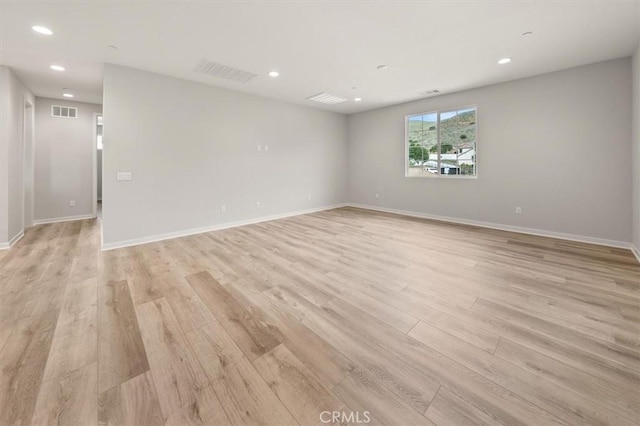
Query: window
<point>99,131</point>
<point>442,144</point>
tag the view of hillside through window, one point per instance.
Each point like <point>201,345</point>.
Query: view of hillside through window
<point>442,143</point>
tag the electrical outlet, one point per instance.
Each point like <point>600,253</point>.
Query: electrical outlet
<point>266,147</point>
<point>518,210</point>
<point>72,203</point>
<point>223,208</point>
<point>259,147</point>
<point>257,204</point>
<point>377,195</point>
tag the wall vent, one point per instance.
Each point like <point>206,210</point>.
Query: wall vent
<point>215,69</point>
<point>327,98</point>
<point>64,112</point>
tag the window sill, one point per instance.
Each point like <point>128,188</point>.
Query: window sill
<point>443,177</point>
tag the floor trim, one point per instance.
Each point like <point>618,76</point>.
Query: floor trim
<point>636,252</point>
<point>63,219</point>
<point>187,232</point>
<point>12,242</point>
<point>522,230</point>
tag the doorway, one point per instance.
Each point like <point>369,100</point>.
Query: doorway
<point>28,165</point>
<point>97,167</point>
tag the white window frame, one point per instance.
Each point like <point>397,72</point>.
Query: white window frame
<point>439,175</point>
<point>97,121</point>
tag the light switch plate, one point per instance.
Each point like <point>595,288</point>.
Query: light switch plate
<point>124,176</point>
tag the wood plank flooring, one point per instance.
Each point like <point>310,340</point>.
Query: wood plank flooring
<point>379,318</point>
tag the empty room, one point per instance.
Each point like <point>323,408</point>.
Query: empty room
<point>319,212</point>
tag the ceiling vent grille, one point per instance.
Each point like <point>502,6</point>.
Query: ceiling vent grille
<point>64,112</point>
<point>215,69</point>
<point>327,98</point>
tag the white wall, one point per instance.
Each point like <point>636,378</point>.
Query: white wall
<point>556,144</point>
<point>5,119</point>
<point>13,95</point>
<point>192,148</point>
<point>63,160</point>
<point>636,148</point>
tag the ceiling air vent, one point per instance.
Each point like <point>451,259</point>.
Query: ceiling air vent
<point>215,69</point>
<point>327,98</point>
<point>63,111</point>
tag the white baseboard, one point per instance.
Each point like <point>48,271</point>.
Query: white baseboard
<point>12,242</point>
<point>636,252</point>
<point>63,219</point>
<point>193,231</point>
<point>521,230</point>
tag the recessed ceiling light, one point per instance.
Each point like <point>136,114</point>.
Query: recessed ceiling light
<point>57,68</point>
<point>382,67</point>
<point>357,99</point>
<point>504,61</point>
<point>42,30</point>
<point>273,73</point>
<point>68,95</point>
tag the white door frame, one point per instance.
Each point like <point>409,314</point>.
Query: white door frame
<point>28,138</point>
<point>95,163</point>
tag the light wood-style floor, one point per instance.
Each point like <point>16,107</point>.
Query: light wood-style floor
<point>412,321</point>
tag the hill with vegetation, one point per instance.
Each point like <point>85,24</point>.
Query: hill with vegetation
<point>456,132</point>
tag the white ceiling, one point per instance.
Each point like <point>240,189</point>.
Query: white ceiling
<point>316,46</point>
